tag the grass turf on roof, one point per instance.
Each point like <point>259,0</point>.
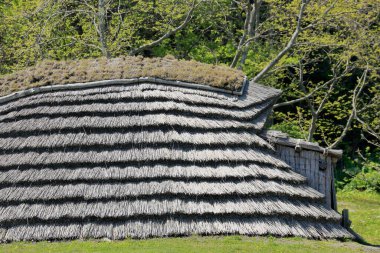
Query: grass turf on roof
<point>88,70</point>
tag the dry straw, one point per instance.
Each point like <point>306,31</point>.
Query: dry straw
<point>88,70</point>
<point>144,160</point>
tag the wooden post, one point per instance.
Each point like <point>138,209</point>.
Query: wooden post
<point>346,223</point>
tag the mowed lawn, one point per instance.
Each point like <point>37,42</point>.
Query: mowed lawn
<point>364,210</point>
<point>364,213</point>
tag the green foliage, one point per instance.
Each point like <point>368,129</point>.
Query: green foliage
<point>365,180</point>
<point>337,35</point>
<point>290,128</point>
<point>257,59</point>
<point>362,173</point>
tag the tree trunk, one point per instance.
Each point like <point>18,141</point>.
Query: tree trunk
<point>288,46</point>
<point>313,127</point>
<point>254,22</point>
<point>243,38</point>
<point>102,27</point>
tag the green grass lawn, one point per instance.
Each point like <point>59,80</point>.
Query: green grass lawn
<point>364,209</point>
<point>195,244</point>
<point>364,213</point>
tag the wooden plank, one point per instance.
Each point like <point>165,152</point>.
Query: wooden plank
<point>281,150</point>
<point>328,182</point>
<point>306,159</point>
<point>312,169</point>
<point>316,169</point>
<point>321,178</point>
<point>297,163</point>
<point>291,154</point>
<point>307,163</point>
<point>303,163</point>
<point>333,192</point>
<point>282,139</point>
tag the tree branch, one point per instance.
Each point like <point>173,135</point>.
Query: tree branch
<point>247,24</point>
<point>294,101</point>
<point>358,89</point>
<point>314,114</point>
<point>252,31</point>
<point>332,86</point>
<point>288,46</point>
<point>304,97</point>
<point>102,27</point>
<point>169,33</point>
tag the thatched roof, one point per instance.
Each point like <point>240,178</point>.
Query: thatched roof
<point>90,70</point>
<point>146,159</point>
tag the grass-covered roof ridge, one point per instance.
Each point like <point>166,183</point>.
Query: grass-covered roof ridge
<point>89,70</point>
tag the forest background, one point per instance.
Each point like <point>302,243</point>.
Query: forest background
<point>323,54</point>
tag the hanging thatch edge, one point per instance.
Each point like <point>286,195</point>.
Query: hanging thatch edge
<point>102,83</point>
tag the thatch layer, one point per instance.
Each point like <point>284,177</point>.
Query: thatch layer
<point>124,122</point>
<point>177,227</point>
<point>140,139</point>
<point>261,206</point>
<point>140,155</point>
<point>134,108</point>
<point>87,191</point>
<point>141,173</point>
<point>81,71</point>
<point>146,92</point>
<point>144,160</point>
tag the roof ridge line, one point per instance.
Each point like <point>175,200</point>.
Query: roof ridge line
<point>102,83</point>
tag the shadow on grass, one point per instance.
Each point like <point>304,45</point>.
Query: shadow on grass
<point>361,240</point>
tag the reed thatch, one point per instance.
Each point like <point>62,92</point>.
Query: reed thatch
<point>142,173</point>
<point>143,160</point>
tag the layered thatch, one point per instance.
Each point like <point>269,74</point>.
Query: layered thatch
<point>81,71</point>
<point>144,160</point>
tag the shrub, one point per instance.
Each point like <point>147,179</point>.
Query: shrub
<point>362,173</point>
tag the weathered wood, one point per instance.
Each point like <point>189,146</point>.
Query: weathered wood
<point>333,192</point>
<point>306,167</point>
<point>282,139</point>
<point>291,157</point>
<point>314,167</point>
<point>303,164</point>
<point>345,218</point>
<point>296,161</point>
<point>328,181</point>
<point>310,161</point>
<point>322,182</point>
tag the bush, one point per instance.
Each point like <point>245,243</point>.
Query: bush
<point>364,181</point>
<point>362,173</point>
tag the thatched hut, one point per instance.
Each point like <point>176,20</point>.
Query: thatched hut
<point>146,157</point>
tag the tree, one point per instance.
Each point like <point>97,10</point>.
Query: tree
<point>315,51</point>
<point>168,33</point>
<point>326,50</point>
